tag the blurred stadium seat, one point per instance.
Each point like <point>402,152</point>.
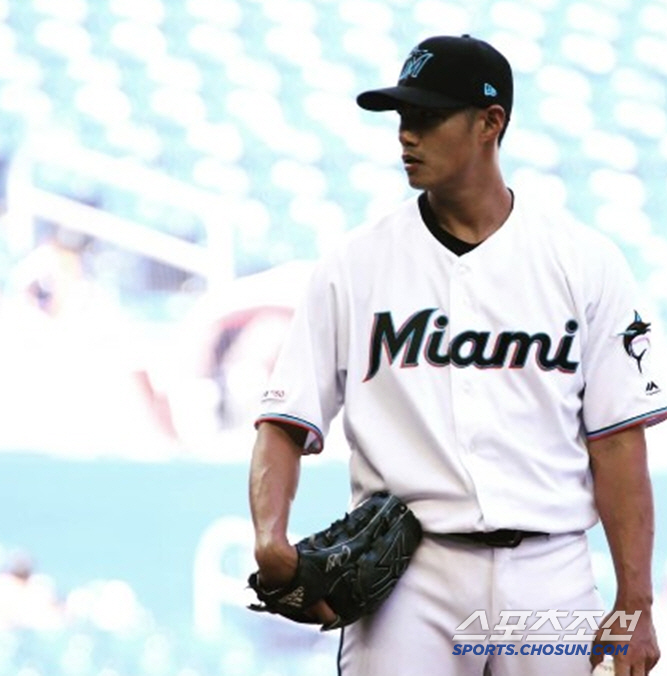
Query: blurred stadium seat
<point>255,100</point>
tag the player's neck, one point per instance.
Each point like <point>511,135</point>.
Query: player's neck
<point>474,215</point>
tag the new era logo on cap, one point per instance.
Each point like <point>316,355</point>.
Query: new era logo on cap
<point>490,90</point>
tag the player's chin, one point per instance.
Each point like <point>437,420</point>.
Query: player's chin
<point>415,181</point>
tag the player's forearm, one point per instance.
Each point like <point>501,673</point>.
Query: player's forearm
<point>274,476</point>
<point>624,500</point>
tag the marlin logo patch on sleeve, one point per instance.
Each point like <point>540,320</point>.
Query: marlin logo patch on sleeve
<point>635,339</point>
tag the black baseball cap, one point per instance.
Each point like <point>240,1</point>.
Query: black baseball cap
<point>448,72</point>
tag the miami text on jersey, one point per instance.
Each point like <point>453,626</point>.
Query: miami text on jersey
<point>423,334</point>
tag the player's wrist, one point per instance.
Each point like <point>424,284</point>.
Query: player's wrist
<point>634,600</point>
<point>268,548</point>
<point>630,605</point>
<point>276,560</point>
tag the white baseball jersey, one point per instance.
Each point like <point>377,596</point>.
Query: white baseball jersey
<point>470,384</point>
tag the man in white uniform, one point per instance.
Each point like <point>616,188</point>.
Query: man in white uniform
<point>493,368</point>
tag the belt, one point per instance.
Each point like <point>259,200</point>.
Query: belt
<point>496,538</point>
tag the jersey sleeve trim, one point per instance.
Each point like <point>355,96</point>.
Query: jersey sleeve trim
<point>314,442</point>
<point>647,419</point>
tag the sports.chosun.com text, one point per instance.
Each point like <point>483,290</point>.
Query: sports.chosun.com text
<point>539,649</point>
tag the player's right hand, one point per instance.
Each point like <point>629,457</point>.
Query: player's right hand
<point>277,565</point>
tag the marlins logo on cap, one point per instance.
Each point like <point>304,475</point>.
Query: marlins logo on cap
<point>448,72</point>
<point>415,62</point>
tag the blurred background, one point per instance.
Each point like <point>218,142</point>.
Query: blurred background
<point>169,171</point>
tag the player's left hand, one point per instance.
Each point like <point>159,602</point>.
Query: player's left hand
<point>642,652</point>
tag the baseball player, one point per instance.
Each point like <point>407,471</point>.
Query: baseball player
<point>493,367</point>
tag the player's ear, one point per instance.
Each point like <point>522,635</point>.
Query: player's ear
<point>493,123</point>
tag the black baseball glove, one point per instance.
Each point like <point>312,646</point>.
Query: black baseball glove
<point>353,565</point>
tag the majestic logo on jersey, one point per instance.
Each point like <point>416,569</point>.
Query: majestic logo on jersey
<point>652,388</point>
<point>423,335</point>
<point>414,63</point>
<point>635,339</point>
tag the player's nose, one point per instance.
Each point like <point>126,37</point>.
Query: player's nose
<point>407,135</point>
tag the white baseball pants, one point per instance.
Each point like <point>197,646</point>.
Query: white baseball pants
<point>447,582</point>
